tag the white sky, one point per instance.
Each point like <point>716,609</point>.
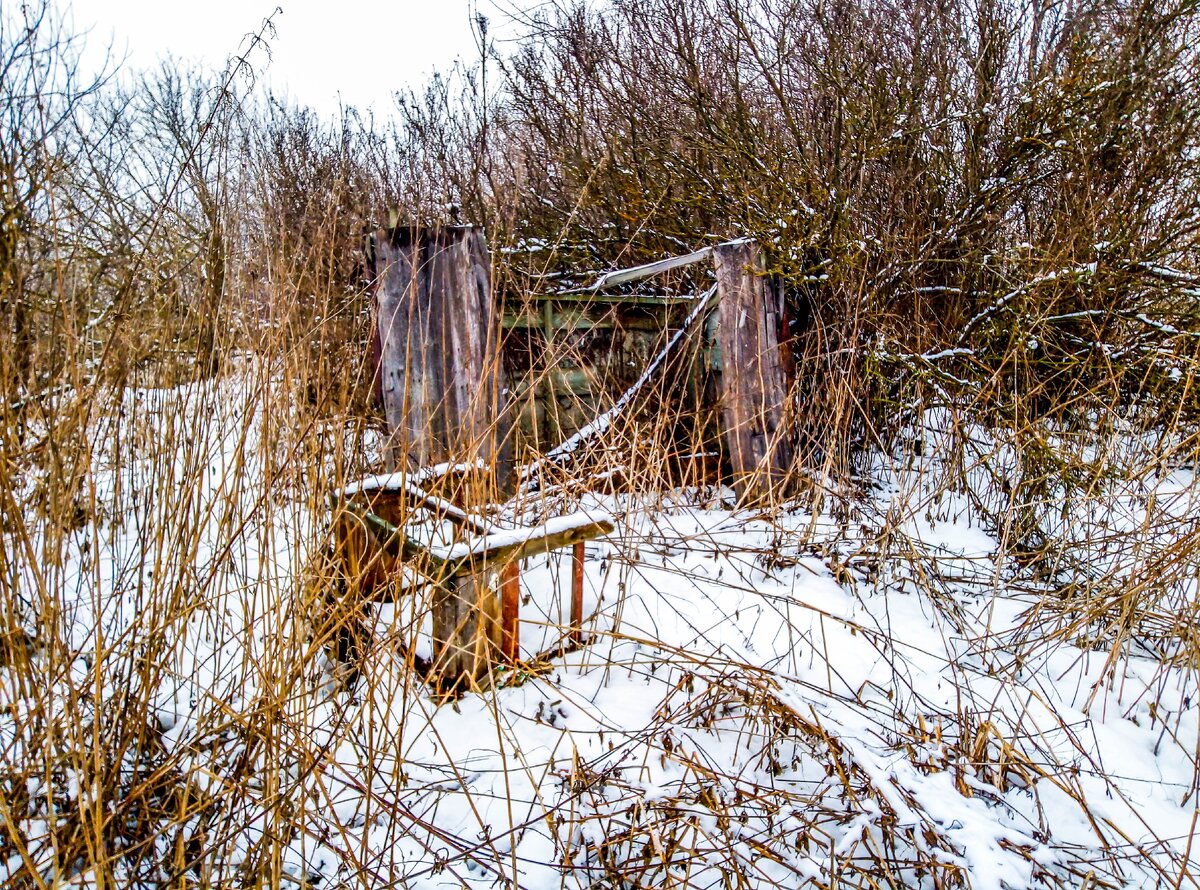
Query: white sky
<point>358,51</point>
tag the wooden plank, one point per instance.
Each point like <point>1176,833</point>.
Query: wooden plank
<point>486,552</point>
<point>578,381</point>
<point>466,630</point>
<point>402,322</point>
<point>578,324</point>
<point>505,547</point>
<point>637,273</point>
<point>752,385</point>
<point>461,284</point>
<point>549,399</point>
<point>590,296</point>
<point>398,484</point>
<point>393,542</point>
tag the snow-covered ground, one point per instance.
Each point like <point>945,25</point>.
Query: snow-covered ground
<point>884,693</point>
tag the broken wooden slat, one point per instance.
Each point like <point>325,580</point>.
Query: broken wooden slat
<point>753,385</point>
<point>647,270</point>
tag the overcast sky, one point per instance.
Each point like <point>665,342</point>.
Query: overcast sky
<point>357,51</point>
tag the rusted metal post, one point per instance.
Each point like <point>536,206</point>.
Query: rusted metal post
<point>510,611</point>
<point>753,385</point>
<point>576,634</point>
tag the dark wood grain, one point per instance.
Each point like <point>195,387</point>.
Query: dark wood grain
<point>438,331</point>
<point>752,384</point>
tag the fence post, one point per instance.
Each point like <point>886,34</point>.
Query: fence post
<point>466,629</point>
<point>438,342</point>
<point>510,611</point>
<point>753,384</point>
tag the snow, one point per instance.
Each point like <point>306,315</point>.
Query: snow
<point>794,697</point>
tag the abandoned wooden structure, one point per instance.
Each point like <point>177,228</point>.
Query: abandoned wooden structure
<point>734,358</point>
<point>439,349</point>
<point>569,353</point>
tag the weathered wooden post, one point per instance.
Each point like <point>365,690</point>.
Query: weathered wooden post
<point>438,340</point>
<point>467,633</point>
<point>441,382</point>
<point>753,384</point>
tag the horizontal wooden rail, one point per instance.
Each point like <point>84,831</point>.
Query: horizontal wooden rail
<point>496,548</point>
<point>400,483</point>
<point>637,273</point>
<point>509,546</point>
<point>392,540</point>
<point>590,296</point>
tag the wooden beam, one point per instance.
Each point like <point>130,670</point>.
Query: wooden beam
<point>401,319</point>
<point>393,542</point>
<point>487,552</point>
<point>591,296</point>
<point>507,546</point>
<point>399,483</point>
